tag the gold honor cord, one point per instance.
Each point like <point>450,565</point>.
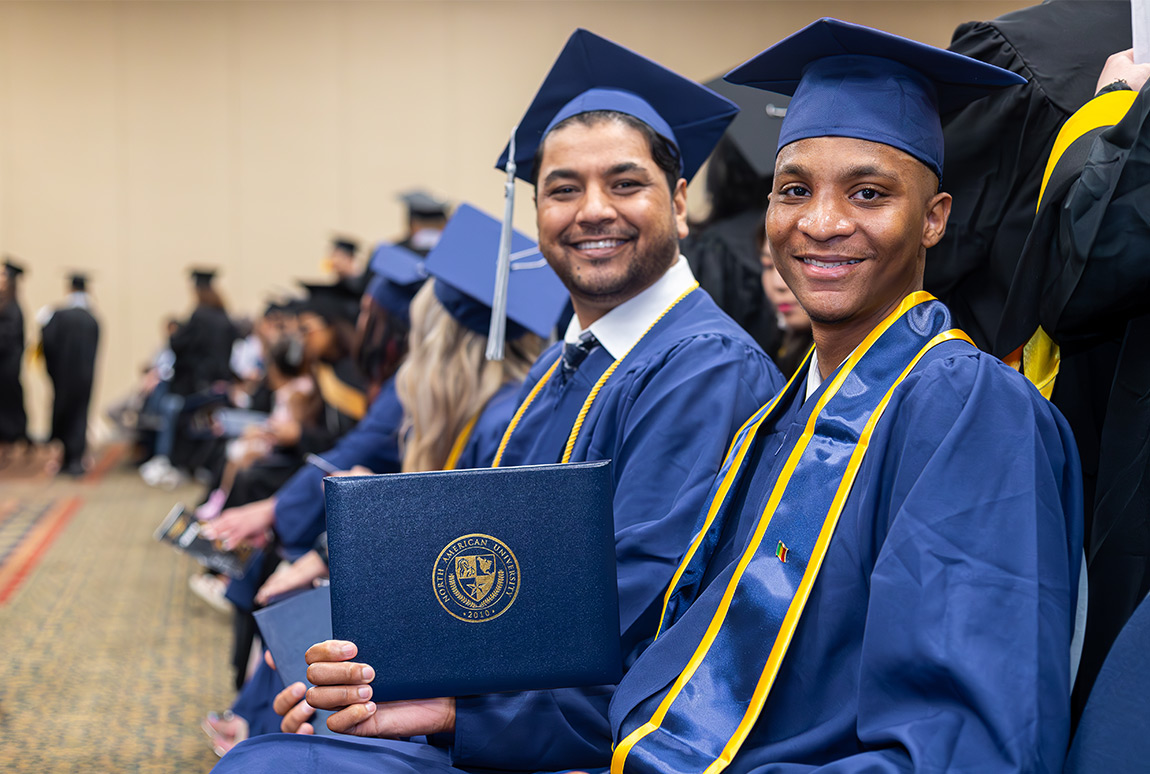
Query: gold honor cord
<point>755,421</point>
<point>1040,357</point>
<point>461,442</point>
<point>782,641</point>
<point>523,410</point>
<point>591,396</point>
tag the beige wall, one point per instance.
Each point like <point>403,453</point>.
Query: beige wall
<point>137,138</point>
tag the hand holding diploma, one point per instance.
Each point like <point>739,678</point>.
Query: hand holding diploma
<point>343,686</point>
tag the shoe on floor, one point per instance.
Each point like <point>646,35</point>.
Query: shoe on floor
<point>211,589</point>
<point>154,470</point>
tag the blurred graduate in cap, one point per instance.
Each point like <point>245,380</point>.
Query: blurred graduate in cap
<point>69,337</point>
<point>886,577</point>
<point>328,316</point>
<point>723,249</point>
<point>426,218</point>
<point>650,373</point>
<point>343,261</point>
<point>203,344</point>
<point>13,419</point>
<point>203,348</point>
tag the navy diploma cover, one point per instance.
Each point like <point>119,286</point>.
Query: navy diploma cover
<point>477,581</point>
<point>289,627</point>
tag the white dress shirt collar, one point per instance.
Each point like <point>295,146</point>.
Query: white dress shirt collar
<point>814,376</point>
<point>622,327</point>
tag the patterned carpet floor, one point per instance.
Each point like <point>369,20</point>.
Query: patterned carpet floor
<point>109,661</point>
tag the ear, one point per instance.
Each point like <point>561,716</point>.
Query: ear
<point>937,214</point>
<point>679,204</point>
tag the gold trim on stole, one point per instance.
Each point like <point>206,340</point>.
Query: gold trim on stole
<point>794,612</point>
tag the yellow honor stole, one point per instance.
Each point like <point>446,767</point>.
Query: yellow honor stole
<point>695,728</point>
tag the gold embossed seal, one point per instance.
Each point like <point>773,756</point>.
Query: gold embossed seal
<point>476,578</point>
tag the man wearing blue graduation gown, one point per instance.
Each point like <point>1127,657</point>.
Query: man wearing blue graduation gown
<point>667,381</point>
<point>885,580</point>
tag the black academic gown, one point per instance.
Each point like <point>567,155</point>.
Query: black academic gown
<point>70,338</point>
<point>203,348</point>
<point>996,147</point>
<point>13,420</point>
<point>725,259</point>
<point>1085,277</point>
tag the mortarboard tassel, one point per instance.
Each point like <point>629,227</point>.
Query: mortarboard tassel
<point>498,328</point>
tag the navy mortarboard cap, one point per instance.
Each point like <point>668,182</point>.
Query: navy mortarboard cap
<point>755,130</point>
<point>343,244</point>
<point>331,302</point>
<point>848,80</point>
<point>592,73</point>
<point>202,277</point>
<point>464,265</point>
<point>422,204</point>
<point>12,269</point>
<point>398,274</point>
<point>78,280</point>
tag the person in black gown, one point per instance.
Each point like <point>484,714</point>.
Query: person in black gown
<point>203,349</point>
<point>1083,278</point>
<point>996,148</point>
<point>69,336</point>
<point>13,419</point>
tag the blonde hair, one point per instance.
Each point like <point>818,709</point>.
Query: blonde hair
<point>446,379</point>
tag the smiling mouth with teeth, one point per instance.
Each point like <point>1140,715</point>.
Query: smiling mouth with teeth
<point>599,244</point>
<point>830,264</point>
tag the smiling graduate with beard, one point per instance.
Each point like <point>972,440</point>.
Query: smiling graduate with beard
<point>651,374</point>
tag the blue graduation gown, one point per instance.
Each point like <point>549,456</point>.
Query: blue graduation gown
<point>937,635</point>
<point>488,431</point>
<point>373,443</point>
<point>665,417</point>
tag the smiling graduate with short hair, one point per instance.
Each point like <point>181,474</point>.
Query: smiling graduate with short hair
<point>886,579</point>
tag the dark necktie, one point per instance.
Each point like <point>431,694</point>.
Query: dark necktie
<point>574,353</point>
